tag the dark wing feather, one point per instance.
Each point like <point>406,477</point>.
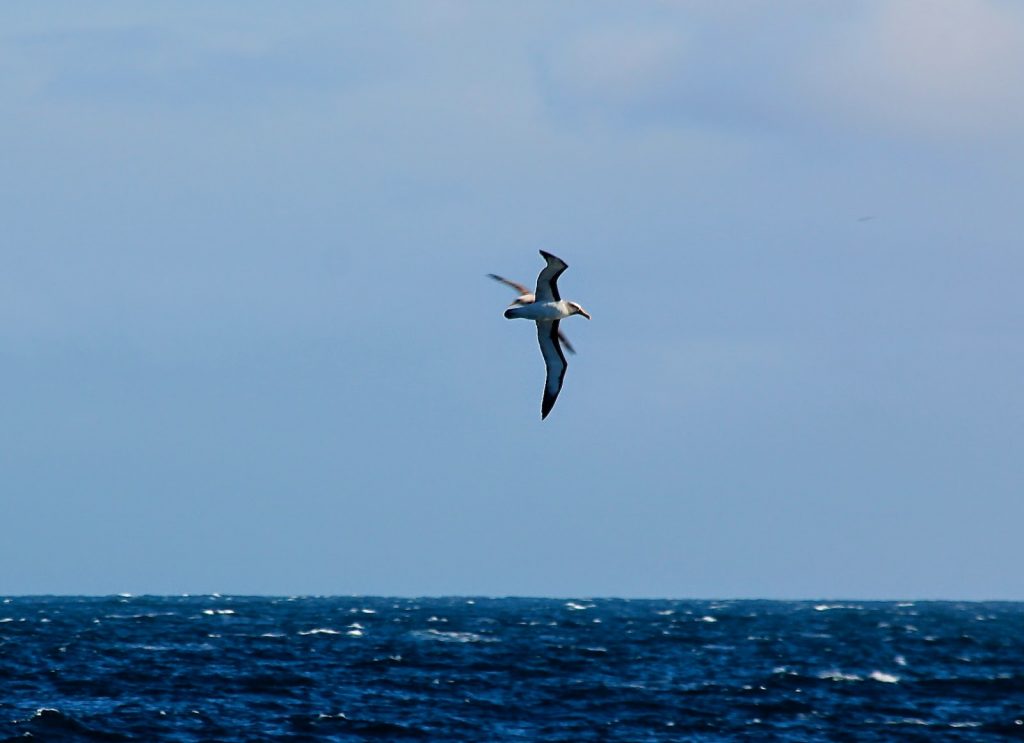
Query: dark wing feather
<point>554,360</point>
<point>565,342</point>
<point>547,281</point>
<point>508,282</point>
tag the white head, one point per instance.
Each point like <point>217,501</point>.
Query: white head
<point>575,309</point>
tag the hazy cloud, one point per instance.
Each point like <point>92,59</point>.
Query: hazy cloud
<point>636,67</point>
<point>948,69</point>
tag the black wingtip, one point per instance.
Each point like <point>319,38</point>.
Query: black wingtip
<point>550,257</point>
<point>546,405</point>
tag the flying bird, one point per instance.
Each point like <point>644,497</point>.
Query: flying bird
<point>547,309</point>
<point>528,297</point>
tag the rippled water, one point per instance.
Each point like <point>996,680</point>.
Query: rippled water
<point>229,668</point>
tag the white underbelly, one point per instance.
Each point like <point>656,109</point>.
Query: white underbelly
<point>536,311</point>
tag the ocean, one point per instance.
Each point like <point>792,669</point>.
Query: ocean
<point>233,668</point>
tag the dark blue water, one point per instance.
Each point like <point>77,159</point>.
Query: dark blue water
<point>216,668</point>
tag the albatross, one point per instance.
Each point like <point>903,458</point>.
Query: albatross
<point>547,309</point>
<point>528,297</point>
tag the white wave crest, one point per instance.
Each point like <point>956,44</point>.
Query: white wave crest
<point>836,675</point>
<point>438,635</point>
<point>573,606</point>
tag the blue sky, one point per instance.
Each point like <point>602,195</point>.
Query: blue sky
<point>247,343</point>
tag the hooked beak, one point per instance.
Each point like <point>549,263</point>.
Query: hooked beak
<point>584,313</point>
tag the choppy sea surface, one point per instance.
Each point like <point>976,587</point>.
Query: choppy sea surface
<point>229,668</point>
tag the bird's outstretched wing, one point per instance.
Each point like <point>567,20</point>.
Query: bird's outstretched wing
<point>566,343</point>
<point>508,282</point>
<point>554,360</point>
<point>547,281</point>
